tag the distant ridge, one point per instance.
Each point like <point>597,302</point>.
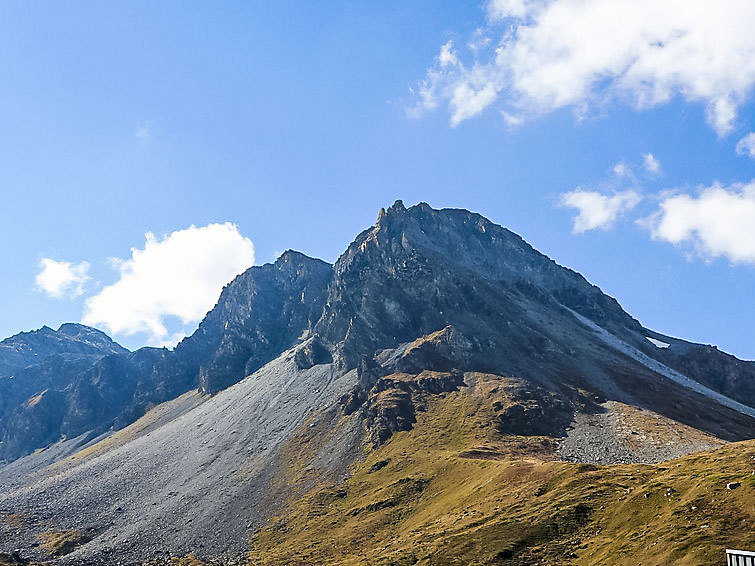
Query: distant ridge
<point>433,324</point>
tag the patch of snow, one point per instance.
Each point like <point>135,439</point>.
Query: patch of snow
<point>658,343</point>
<point>662,369</point>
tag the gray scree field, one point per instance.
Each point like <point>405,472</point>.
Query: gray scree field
<point>193,484</point>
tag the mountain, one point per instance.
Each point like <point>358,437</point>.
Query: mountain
<point>37,370</point>
<point>76,383</point>
<point>443,394</point>
<point>72,340</point>
<point>263,312</point>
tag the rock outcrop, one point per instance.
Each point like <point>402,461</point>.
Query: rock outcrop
<point>432,318</point>
<point>61,384</point>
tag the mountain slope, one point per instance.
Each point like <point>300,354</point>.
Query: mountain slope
<point>438,340</point>
<point>37,370</point>
<point>454,490</point>
<point>77,381</point>
<point>214,460</point>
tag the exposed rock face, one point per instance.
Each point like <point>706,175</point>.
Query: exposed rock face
<point>312,353</point>
<point>468,295</point>
<point>395,399</point>
<point>427,307</point>
<point>264,311</point>
<point>72,340</point>
<point>42,392</point>
<point>80,380</point>
<point>419,270</point>
<point>535,412</point>
<point>716,369</point>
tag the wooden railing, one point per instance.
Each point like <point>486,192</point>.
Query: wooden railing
<point>740,558</point>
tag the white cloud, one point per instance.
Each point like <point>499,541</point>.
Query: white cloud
<point>180,275</point>
<point>447,55</point>
<point>651,164</point>
<point>596,210</point>
<point>478,41</point>
<point>62,278</point>
<point>720,221</point>
<point>467,101</point>
<point>502,9</point>
<point>512,120</point>
<point>576,53</point>
<point>746,146</point>
<point>621,169</point>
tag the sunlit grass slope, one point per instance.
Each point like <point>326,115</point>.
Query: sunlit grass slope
<point>454,491</point>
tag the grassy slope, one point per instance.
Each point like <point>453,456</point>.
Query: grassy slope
<point>453,491</point>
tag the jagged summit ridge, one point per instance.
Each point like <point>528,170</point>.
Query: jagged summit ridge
<point>29,348</point>
<point>301,365</point>
<point>416,271</point>
<point>411,272</point>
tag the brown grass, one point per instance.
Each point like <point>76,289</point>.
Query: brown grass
<point>452,491</point>
<point>33,401</point>
<point>60,543</point>
<point>16,520</point>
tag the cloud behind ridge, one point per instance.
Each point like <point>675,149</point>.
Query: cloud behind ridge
<point>180,276</point>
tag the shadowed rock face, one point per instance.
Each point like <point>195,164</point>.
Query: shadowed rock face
<point>261,313</point>
<point>76,379</point>
<point>714,368</point>
<point>306,362</point>
<point>475,296</point>
<point>39,374</point>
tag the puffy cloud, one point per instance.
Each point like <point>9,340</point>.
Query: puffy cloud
<point>746,146</point>
<point>575,53</point>
<point>62,278</point>
<point>180,275</point>
<point>651,164</point>
<point>596,210</point>
<point>717,222</point>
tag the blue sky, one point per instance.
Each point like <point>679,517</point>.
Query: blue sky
<point>269,126</point>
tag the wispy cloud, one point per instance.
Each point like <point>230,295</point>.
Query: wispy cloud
<point>179,275</point>
<point>143,131</point>
<point>621,169</point>
<point>62,278</point>
<point>746,146</point>
<point>718,222</point>
<point>447,55</point>
<point>651,164</point>
<point>555,54</point>
<point>598,211</point>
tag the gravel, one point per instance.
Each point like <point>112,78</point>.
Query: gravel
<point>612,437</point>
<point>198,483</point>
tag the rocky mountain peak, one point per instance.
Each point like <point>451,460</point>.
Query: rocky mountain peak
<point>261,312</point>
<point>33,347</point>
<point>420,269</point>
<point>89,335</point>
